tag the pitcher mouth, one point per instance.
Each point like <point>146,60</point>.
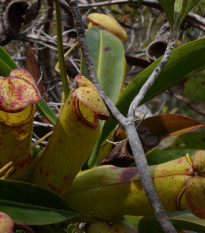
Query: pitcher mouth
<point>18,118</point>
<point>18,96</point>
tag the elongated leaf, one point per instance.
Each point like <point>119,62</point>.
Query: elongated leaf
<point>187,220</point>
<point>108,56</point>
<point>181,10</point>
<point>190,140</point>
<point>165,125</point>
<point>182,220</point>
<point>168,6</point>
<point>7,59</point>
<point>32,205</point>
<point>184,60</point>
<point>157,156</point>
<point>36,151</point>
<point>4,68</point>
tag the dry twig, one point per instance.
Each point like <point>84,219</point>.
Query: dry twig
<point>127,123</point>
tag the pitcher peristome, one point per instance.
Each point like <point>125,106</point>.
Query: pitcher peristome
<point>18,95</point>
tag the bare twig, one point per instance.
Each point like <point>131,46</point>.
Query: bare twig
<point>116,143</point>
<point>36,39</point>
<point>37,123</point>
<point>127,123</point>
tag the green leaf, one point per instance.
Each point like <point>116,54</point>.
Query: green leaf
<point>184,60</point>
<point>7,59</point>
<point>132,220</point>
<point>194,89</point>
<point>189,141</point>
<point>180,146</point>
<point>29,204</point>
<point>4,68</point>
<point>168,6</point>
<point>36,151</point>
<point>181,10</point>
<point>47,112</point>
<point>157,156</point>
<point>108,55</point>
<point>182,220</point>
<point>186,220</point>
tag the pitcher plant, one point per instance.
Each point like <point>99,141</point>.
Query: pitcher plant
<point>18,95</point>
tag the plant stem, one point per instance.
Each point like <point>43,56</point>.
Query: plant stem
<point>127,123</point>
<point>64,78</point>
